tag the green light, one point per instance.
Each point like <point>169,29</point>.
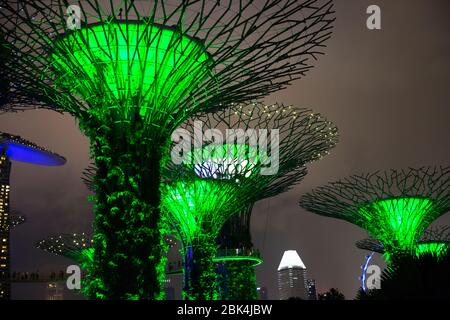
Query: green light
<point>238,281</point>
<point>224,161</point>
<point>252,256</point>
<point>397,222</point>
<point>131,83</point>
<point>122,65</point>
<point>436,249</point>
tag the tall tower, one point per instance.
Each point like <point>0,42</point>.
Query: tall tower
<point>292,280</point>
<point>312,289</point>
<point>14,148</point>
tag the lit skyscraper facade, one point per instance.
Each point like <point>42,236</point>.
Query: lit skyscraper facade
<point>292,280</point>
<point>14,148</point>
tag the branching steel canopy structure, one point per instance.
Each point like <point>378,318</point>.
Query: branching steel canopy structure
<point>16,219</point>
<point>15,148</point>
<point>19,149</point>
<point>395,207</point>
<point>12,99</point>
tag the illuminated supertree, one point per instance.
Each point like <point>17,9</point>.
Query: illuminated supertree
<point>370,244</point>
<point>131,73</point>
<point>395,207</point>
<point>435,242</point>
<point>76,246</point>
<point>11,99</point>
<point>196,210</point>
<point>15,148</point>
<point>16,219</point>
<point>258,151</point>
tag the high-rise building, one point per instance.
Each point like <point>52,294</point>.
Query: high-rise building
<point>55,291</point>
<point>311,284</point>
<point>5,168</point>
<point>262,293</point>
<point>169,289</point>
<point>292,280</point>
<point>14,148</point>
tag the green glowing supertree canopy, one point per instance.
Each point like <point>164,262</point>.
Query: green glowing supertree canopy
<point>238,280</point>
<point>437,249</point>
<point>131,73</point>
<point>398,217</point>
<point>395,207</point>
<point>303,136</point>
<point>78,247</point>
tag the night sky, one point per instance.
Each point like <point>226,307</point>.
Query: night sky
<point>388,93</point>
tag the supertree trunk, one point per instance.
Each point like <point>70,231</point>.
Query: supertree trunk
<point>200,278</point>
<point>128,239</point>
